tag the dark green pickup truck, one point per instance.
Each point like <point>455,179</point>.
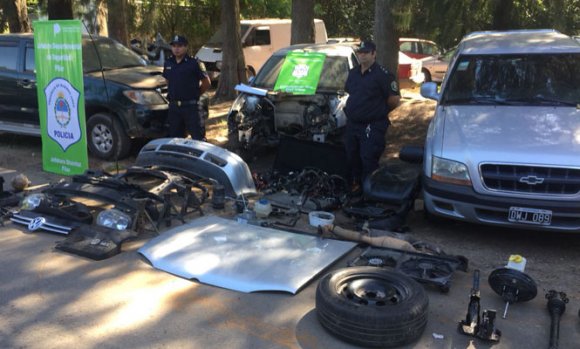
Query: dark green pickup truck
<point>124,97</point>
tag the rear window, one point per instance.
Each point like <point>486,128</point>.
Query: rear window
<point>532,79</point>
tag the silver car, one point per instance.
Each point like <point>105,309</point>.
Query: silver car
<point>435,67</point>
<point>504,145</point>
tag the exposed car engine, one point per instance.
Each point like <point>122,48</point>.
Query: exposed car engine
<point>260,120</point>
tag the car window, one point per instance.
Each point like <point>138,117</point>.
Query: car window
<point>258,37</point>
<point>8,55</point>
<point>108,54</point>
<point>407,46</point>
<point>429,49</point>
<point>29,59</point>
<point>528,79</point>
<point>333,75</point>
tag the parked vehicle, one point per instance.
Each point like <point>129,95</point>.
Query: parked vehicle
<point>502,148</point>
<point>435,67</point>
<point>124,98</point>
<point>418,48</point>
<point>259,115</point>
<point>410,69</point>
<point>260,38</point>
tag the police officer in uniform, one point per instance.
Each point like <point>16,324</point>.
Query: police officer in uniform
<point>187,80</point>
<point>372,93</point>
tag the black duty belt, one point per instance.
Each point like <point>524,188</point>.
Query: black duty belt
<point>183,103</point>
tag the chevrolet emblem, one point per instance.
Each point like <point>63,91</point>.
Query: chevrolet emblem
<point>532,180</point>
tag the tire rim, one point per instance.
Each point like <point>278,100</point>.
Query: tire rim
<point>102,138</point>
<point>372,291</point>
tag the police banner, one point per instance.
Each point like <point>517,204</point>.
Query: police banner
<point>61,104</point>
<point>300,73</point>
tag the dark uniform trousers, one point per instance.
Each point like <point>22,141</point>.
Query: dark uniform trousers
<point>185,117</point>
<point>364,144</point>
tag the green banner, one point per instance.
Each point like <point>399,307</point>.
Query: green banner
<point>300,73</point>
<point>61,102</point>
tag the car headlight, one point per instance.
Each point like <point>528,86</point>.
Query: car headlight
<point>113,219</point>
<point>449,171</point>
<point>218,65</point>
<point>32,201</point>
<point>144,97</point>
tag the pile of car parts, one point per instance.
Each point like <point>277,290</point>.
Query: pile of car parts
<point>99,211</point>
<point>434,270</point>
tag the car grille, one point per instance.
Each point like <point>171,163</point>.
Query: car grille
<point>531,179</point>
<point>45,225</point>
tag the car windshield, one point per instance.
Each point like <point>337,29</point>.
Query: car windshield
<point>531,79</point>
<point>111,55</point>
<point>217,39</point>
<point>332,78</point>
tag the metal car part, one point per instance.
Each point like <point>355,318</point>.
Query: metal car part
<point>476,325</point>
<point>201,160</point>
<point>242,257</point>
<point>513,286</point>
<point>435,270</point>
<point>556,306</point>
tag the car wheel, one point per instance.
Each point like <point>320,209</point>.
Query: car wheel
<point>372,307</point>
<point>106,137</point>
<point>427,76</point>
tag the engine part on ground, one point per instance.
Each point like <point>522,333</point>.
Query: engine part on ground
<point>475,324</point>
<point>263,208</point>
<point>371,307</point>
<point>556,307</point>
<point>218,198</point>
<point>310,189</point>
<point>513,286</point>
<point>320,218</point>
<point>434,270</point>
<point>379,241</point>
<point>20,182</point>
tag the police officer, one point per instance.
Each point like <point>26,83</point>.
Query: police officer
<point>187,80</point>
<point>372,93</point>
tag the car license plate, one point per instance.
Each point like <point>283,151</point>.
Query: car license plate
<point>530,216</point>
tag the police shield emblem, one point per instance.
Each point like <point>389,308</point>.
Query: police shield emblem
<point>62,119</point>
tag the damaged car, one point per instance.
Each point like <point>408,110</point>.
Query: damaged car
<point>261,115</point>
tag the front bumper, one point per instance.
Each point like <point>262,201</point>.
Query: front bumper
<point>464,204</point>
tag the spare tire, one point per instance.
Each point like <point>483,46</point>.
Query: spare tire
<point>372,307</point>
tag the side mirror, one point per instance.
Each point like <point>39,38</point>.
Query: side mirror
<point>429,90</point>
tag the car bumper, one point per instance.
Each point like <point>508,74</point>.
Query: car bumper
<point>464,204</point>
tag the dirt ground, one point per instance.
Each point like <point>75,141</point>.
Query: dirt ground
<point>553,260</point>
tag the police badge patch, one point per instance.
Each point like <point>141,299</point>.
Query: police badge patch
<point>62,119</point>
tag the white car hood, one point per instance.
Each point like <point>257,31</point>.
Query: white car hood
<point>511,134</point>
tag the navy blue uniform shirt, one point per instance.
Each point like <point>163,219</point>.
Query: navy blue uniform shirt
<point>368,93</point>
<point>184,78</point>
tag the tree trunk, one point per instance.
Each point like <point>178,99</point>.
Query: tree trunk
<point>302,22</point>
<point>101,14</point>
<point>385,36</point>
<point>17,15</point>
<point>60,9</point>
<point>233,69</point>
<point>503,15</point>
<point>117,21</point>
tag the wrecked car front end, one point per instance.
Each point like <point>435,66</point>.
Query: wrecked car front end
<point>261,114</point>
